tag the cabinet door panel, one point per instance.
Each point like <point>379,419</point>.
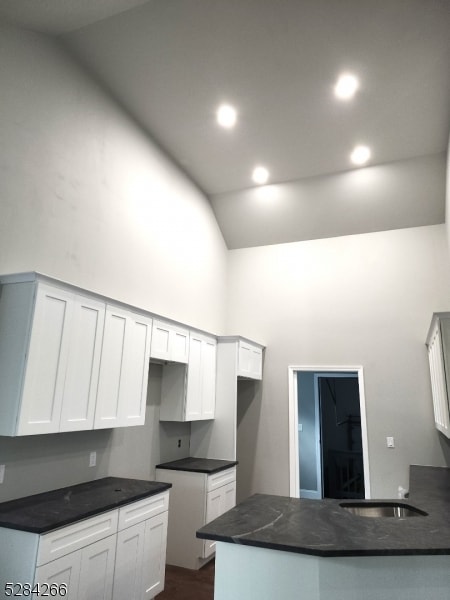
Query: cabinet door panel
<point>113,349</point>
<point>47,362</point>
<point>133,389</point>
<point>209,379</point>
<point>97,570</point>
<point>80,387</point>
<point>154,559</point>
<point>128,571</point>
<point>194,380</point>
<point>180,345</point>
<point>64,570</point>
<point>160,347</point>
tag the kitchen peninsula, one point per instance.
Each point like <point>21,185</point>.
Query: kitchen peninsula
<point>274,546</point>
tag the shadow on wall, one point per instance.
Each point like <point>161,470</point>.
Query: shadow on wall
<point>249,394</point>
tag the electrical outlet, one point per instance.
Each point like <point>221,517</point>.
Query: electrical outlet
<point>390,442</point>
<point>2,473</point>
<point>92,459</point>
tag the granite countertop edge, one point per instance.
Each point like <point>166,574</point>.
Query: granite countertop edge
<point>47,511</point>
<point>323,528</point>
<point>210,466</point>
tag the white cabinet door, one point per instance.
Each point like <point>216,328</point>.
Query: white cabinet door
<point>83,365</point>
<point>169,342</point>
<point>97,570</point>
<point>154,556</point>
<point>133,389</point>
<point>62,571</point>
<point>249,360</point>
<point>122,386</point>
<point>193,406</point>
<point>43,387</point>
<point>129,558</point>
<point>218,501</point>
<point>201,378</point>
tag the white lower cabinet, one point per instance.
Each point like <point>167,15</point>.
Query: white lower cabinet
<point>218,502</point>
<point>141,555</point>
<point>117,555</point>
<point>87,574</point>
<point>195,499</point>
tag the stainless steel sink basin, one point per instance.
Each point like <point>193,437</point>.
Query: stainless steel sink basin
<point>396,510</point>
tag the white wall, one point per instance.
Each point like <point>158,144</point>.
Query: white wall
<point>86,197</point>
<point>356,300</point>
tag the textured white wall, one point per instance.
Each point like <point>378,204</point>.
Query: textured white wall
<point>356,300</point>
<point>86,197</point>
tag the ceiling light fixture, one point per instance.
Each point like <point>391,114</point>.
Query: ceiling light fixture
<point>360,155</point>
<point>346,86</point>
<point>260,175</point>
<point>226,116</point>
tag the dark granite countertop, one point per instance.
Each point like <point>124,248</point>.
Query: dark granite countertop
<point>324,528</point>
<point>41,513</point>
<point>198,465</point>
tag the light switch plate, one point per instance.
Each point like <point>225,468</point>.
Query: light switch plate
<point>390,442</point>
<point>2,473</point>
<point>92,459</point>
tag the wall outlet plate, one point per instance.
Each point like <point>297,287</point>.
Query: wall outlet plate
<point>2,473</point>
<point>92,459</point>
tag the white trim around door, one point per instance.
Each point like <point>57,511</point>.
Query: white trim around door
<point>294,474</point>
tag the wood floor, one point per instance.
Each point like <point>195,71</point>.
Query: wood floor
<point>185,584</point>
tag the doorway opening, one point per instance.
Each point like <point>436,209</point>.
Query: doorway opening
<point>328,433</point>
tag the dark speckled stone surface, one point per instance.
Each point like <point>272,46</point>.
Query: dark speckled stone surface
<point>199,465</point>
<point>323,528</point>
<point>41,513</point>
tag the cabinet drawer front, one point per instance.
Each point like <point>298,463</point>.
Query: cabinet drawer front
<point>142,509</point>
<point>219,479</point>
<point>73,537</point>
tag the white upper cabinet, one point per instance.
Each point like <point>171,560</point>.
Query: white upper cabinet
<point>122,386</point>
<point>189,394</point>
<point>50,371</point>
<point>249,360</point>
<point>438,344</point>
<point>68,361</point>
<point>169,342</point>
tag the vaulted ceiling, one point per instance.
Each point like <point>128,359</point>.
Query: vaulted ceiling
<point>170,63</point>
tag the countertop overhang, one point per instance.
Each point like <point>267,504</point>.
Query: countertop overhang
<point>324,528</point>
<point>44,512</point>
<point>209,466</point>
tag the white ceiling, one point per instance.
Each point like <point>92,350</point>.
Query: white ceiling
<point>171,62</point>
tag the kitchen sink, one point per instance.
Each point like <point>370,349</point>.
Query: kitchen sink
<point>396,510</point>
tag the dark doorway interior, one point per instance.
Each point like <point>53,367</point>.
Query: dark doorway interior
<point>341,443</point>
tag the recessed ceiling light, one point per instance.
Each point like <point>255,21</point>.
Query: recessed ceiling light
<point>346,86</point>
<point>360,155</point>
<point>260,175</point>
<point>226,116</point>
